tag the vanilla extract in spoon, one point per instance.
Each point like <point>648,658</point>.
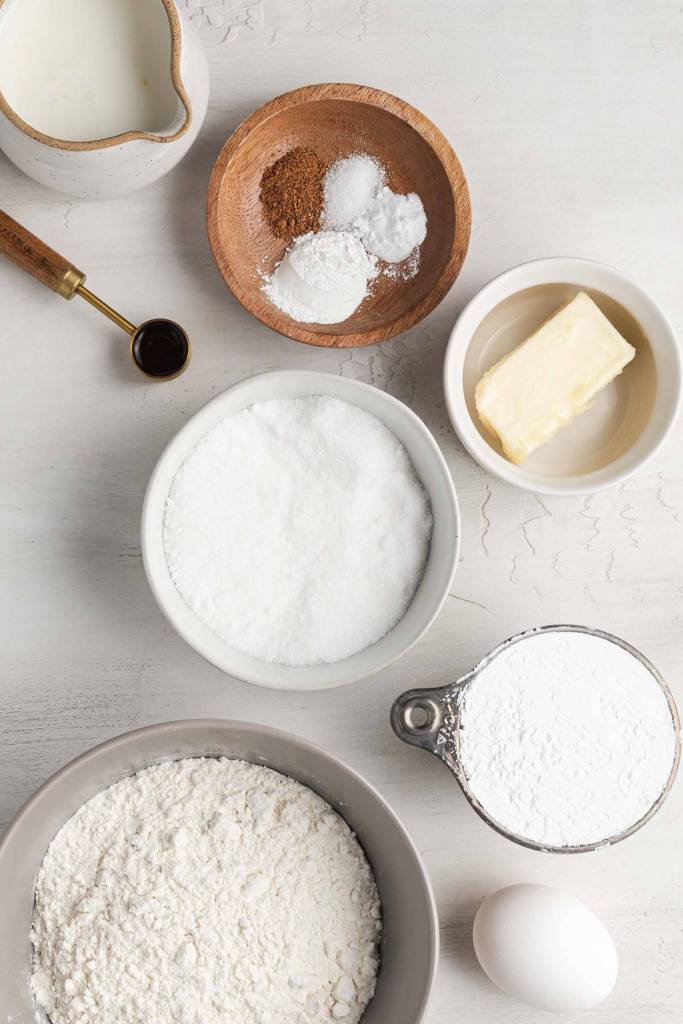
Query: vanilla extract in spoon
<point>159,348</point>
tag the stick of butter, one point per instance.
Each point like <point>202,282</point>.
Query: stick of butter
<point>552,377</point>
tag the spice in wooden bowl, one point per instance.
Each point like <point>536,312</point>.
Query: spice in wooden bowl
<point>292,193</point>
<point>338,120</point>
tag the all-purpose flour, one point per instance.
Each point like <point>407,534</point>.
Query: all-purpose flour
<point>297,530</point>
<point>322,277</point>
<point>566,739</point>
<point>205,891</point>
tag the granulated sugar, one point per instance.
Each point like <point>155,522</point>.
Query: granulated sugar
<point>298,531</point>
<point>566,739</point>
<point>205,891</point>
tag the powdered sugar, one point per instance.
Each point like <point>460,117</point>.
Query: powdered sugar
<point>204,891</point>
<point>566,739</point>
<point>297,530</point>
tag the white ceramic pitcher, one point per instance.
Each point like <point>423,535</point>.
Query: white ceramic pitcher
<point>121,163</point>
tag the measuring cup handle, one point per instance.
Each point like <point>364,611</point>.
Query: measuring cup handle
<point>417,716</point>
<point>29,253</point>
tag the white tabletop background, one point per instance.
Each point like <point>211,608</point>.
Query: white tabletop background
<point>567,119</point>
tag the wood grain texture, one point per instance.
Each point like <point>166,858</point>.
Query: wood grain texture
<point>566,117</point>
<point>22,247</point>
<point>337,120</point>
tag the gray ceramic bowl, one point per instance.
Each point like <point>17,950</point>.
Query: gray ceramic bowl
<point>411,939</point>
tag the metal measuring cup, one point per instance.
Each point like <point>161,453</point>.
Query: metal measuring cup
<point>430,719</point>
<point>159,348</point>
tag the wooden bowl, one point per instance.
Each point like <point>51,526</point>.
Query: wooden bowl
<point>337,120</point>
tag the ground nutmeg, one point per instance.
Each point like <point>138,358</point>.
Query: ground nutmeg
<point>292,193</point>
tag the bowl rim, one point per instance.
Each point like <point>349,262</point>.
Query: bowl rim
<point>256,729</point>
<point>446,156</point>
<point>190,633</point>
<point>553,270</point>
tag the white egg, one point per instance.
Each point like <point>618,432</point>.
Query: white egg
<point>545,947</point>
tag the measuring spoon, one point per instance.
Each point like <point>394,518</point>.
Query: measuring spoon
<point>159,348</point>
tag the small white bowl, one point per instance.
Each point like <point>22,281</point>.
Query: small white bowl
<point>429,465</point>
<point>629,420</point>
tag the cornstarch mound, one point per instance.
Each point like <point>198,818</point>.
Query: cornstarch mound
<point>205,891</point>
<point>298,531</point>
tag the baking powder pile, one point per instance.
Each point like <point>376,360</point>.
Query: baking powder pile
<point>297,530</point>
<point>392,226</point>
<point>566,739</point>
<point>205,891</point>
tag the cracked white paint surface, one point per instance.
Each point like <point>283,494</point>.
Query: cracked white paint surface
<point>220,21</point>
<point>565,118</point>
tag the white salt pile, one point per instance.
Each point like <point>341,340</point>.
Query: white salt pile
<point>350,186</point>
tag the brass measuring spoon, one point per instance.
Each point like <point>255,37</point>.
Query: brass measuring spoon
<point>159,348</point>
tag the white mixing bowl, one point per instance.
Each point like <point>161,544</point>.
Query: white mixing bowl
<point>429,465</point>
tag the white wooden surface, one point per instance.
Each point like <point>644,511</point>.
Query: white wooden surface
<point>567,118</point>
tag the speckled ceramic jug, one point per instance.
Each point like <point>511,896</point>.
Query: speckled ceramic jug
<point>114,166</point>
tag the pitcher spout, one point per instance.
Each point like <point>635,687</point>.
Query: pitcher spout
<point>85,87</point>
<point>79,75</point>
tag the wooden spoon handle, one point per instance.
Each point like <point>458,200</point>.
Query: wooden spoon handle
<point>28,252</point>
